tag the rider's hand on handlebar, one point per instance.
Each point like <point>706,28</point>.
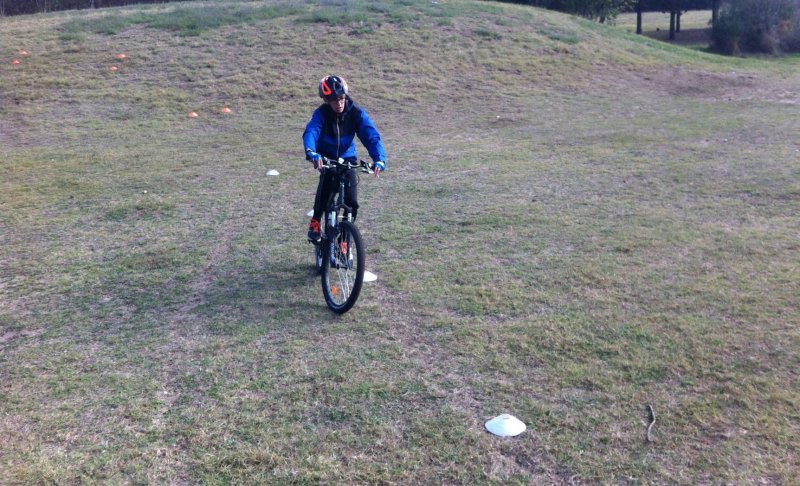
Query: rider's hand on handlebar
<point>315,158</point>
<point>378,166</point>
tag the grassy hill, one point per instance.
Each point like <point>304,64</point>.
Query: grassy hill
<point>576,223</point>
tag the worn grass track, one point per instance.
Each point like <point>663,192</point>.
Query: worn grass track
<point>576,222</point>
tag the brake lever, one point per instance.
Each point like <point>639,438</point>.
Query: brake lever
<point>366,167</point>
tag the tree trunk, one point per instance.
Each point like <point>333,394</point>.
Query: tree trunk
<point>639,16</point>
<point>672,16</point>
<point>714,11</point>
<point>678,21</point>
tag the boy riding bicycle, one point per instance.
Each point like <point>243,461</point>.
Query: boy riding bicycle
<point>331,133</point>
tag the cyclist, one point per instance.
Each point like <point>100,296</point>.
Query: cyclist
<point>331,133</point>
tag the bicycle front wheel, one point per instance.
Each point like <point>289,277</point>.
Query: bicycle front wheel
<point>343,268</point>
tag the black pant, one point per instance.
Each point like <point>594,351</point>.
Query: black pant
<point>329,184</point>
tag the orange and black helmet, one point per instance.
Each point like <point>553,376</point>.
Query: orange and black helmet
<point>332,87</point>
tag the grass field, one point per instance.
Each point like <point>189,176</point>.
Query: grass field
<point>576,223</point>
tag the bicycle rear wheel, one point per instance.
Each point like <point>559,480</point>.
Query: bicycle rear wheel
<point>319,256</point>
<point>319,249</point>
<point>343,268</point>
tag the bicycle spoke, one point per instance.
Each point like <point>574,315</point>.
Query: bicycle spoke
<point>345,281</point>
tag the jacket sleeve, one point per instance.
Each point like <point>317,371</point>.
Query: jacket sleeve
<point>312,132</point>
<point>371,138</point>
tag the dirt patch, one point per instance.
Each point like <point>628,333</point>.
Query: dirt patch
<point>681,81</point>
<point>688,82</point>
<point>10,335</point>
<point>729,86</point>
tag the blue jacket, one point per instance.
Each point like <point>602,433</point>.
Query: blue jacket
<point>334,135</point>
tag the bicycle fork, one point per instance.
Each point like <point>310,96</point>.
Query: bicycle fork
<point>332,237</point>
<point>337,246</point>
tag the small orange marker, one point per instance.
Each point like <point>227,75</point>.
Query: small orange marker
<point>193,114</point>
<point>23,52</point>
<point>15,61</point>
<point>114,68</point>
<point>226,110</point>
<point>120,56</point>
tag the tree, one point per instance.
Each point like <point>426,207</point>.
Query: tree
<point>672,16</point>
<point>756,26</point>
<point>639,8</point>
<point>675,8</point>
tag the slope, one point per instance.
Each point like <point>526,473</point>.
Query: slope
<point>575,223</point>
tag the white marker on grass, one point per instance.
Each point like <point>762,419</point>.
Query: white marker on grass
<point>505,425</point>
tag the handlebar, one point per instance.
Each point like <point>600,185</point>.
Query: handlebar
<point>346,164</point>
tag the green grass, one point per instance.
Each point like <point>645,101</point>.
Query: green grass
<point>576,222</point>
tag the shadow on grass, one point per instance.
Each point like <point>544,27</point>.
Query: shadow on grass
<point>282,291</point>
<point>686,37</point>
<point>159,288</point>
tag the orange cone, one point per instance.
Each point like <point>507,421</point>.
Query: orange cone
<point>120,56</point>
<point>114,68</point>
<point>226,110</point>
<point>193,114</point>
<point>23,52</point>
<point>15,61</point>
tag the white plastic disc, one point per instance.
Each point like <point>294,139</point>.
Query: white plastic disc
<point>310,213</point>
<point>273,172</point>
<point>505,425</point>
<point>369,276</point>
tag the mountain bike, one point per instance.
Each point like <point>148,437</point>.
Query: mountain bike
<point>340,255</point>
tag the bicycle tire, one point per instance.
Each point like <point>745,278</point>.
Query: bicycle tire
<point>343,272</point>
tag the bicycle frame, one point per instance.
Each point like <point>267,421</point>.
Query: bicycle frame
<point>333,208</point>
<point>332,213</point>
